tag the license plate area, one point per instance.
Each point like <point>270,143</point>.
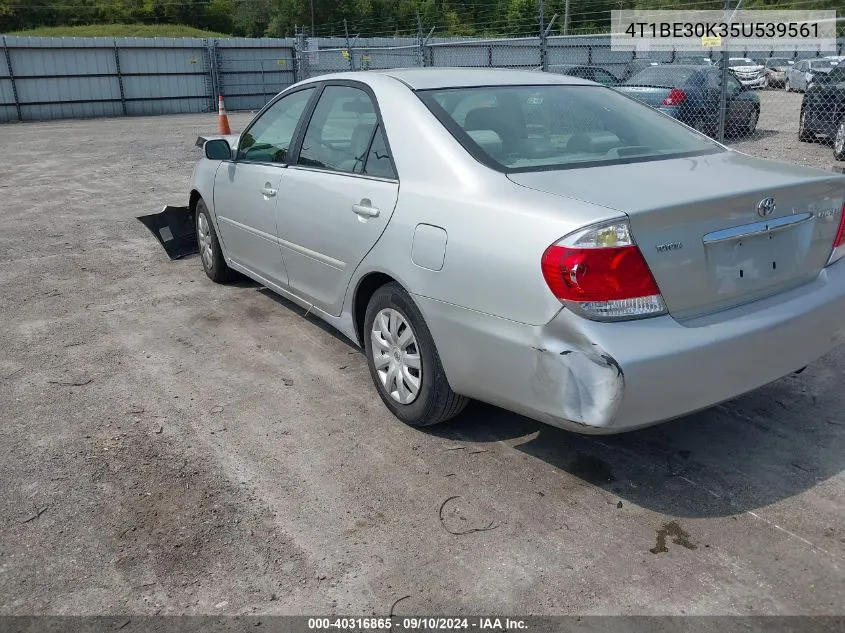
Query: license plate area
<point>756,256</point>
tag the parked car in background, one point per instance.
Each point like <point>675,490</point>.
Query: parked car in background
<point>823,110</point>
<point>805,71</point>
<point>593,73</point>
<point>750,73</point>
<point>636,65</point>
<point>775,69</point>
<point>692,94</point>
<point>554,248</point>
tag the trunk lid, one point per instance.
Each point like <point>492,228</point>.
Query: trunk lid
<point>650,95</point>
<point>697,223</point>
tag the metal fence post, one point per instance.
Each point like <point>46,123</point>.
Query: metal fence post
<point>119,77</point>
<point>544,58</point>
<point>348,46</point>
<point>211,77</point>
<point>297,57</point>
<point>301,55</point>
<point>420,42</point>
<point>723,88</point>
<point>12,79</point>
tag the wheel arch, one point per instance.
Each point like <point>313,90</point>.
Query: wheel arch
<point>193,199</point>
<point>364,290</point>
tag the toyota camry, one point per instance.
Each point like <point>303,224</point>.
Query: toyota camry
<point>531,240</point>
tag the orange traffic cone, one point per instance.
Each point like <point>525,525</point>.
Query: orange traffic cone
<point>222,118</point>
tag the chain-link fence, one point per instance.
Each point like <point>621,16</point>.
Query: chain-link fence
<point>737,96</point>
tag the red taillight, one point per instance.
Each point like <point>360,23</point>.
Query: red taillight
<point>675,97</point>
<point>840,234</point>
<point>839,241</point>
<point>597,274</point>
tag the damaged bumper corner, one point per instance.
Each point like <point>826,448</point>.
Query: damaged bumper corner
<point>577,386</point>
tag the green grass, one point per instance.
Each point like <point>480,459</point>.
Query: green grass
<point>120,30</point>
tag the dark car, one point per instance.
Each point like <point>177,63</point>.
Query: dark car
<point>692,94</point>
<point>593,73</point>
<point>823,110</point>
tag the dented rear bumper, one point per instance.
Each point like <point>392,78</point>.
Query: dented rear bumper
<point>597,377</point>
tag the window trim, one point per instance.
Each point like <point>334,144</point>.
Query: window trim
<point>474,150</point>
<point>296,131</point>
<point>308,114</point>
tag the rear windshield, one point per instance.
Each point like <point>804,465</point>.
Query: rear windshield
<point>822,63</point>
<point>662,77</point>
<point>774,63</point>
<point>530,128</point>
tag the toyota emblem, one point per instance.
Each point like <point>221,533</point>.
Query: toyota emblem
<point>766,207</point>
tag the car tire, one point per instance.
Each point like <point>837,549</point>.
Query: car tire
<point>398,343</point>
<point>211,255</point>
<point>751,124</point>
<point>839,141</point>
<point>803,135</point>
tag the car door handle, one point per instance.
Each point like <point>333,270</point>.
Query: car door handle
<point>365,209</point>
<point>268,191</point>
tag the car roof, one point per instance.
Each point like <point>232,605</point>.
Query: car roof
<point>431,78</point>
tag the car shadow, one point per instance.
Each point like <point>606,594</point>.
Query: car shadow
<point>297,309</point>
<point>758,449</point>
<point>766,446</point>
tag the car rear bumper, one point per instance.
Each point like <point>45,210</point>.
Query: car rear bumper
<point>597,377</point>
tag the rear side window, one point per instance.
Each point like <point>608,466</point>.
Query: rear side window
<point>379,161</point>
<point>340,131</point>
<point>664,77</point>
<point>526,128</point>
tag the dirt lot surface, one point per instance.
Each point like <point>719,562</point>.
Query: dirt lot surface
<point>168,445</point>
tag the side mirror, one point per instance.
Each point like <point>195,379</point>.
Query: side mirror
<point>218,149</point>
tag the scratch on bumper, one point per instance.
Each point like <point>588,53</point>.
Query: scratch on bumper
<point>585,387</point>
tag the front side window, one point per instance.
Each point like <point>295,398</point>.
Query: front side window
<point>268,140</point>
<point>340,132</point>
<point>525,128</point>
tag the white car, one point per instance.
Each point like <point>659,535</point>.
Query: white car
<point>750,73</point>
<point>801,75</point>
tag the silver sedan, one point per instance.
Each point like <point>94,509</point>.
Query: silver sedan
<point>531,240</point>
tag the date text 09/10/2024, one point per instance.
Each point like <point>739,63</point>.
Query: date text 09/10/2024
<point>417,623</point>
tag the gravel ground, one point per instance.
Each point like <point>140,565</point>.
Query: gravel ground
<point>168,445</point>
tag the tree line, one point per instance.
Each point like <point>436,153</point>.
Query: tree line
<point>280,18</point>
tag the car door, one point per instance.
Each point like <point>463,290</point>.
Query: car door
<point>246,189</point>
<point>738,108</point>
<point>335,202</point>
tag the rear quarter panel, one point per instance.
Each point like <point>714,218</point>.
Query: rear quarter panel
<point>497,231</point>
